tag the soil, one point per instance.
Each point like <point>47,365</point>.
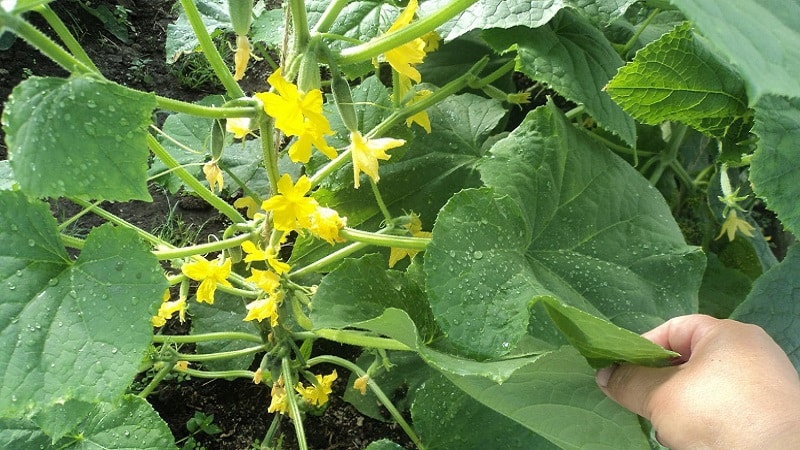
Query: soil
<point>239,407</point>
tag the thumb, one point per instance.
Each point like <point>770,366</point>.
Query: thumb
<point>634,387</point>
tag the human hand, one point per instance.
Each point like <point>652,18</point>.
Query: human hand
<point>732,388</point>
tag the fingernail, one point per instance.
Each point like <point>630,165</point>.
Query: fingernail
<point>604,374</point>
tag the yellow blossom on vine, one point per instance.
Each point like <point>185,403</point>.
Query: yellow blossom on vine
<point>361,384</point>
<point>167,309</point>
<point>421,118</point>
<point>254,253</point>
<point>266,280</point>
<point>239,126</point>
<point>291,108</point>
<point>209,275</point>
<point>414,227</point>
<point>258,376</point>
<point>291,209</point>
<point>431,40</point>
<point>181,365</point>
<point>317,394</point>
<point>279,402</point>
<point>326,223</point>
<point>733,224</point>
<point>213,175</point>
<point>249,203</point>
<point>404,57</point>
<point>265,308</point>
<point>241,57</point>
<point>366,153</point>
<point>300,150</point>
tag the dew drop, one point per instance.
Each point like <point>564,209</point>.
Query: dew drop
<point>31,242</point>
<point>477,254</point>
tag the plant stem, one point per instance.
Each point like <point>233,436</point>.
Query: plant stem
<point>94,208</point>
<point>327,260</point>
<point>220,355</point>
<point>151,386</point>
<point>350,337</point>
<point>44,44</point>
<point>329,16</point>
<point>206,337</point>
<point>375,389</point>
<point>384,240</point>
<point>387,216</point>
<point>193,183</point>
<point>210,50</point>
<point>218,374</point>
<point>628,45</point>
<point>270,155</point>
<point>375,47</point>
<point>209,112</point>
<point>300,25</point>
<point>494,76</point>
<point>66,37</point>
<point>200,249</point>
<point>294,411</point>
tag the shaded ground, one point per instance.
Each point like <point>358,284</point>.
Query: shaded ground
<point>240,407</point>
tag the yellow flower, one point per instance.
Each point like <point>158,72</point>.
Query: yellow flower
<point>241,57</point>
<point>317,394</point>
<point>421,118</point>
<point>733,224</point>
<point>213,175</point>
<point>265,280</point>
<point>361,384</point>
<point>279,402</point>
<point>326,223</point>
<point>291,108</point>
<point>300,150</point>
<point>239,126</point>
<point>414,227</point>
<point>208,274</point>
<point>265,308</point>
<point>181,365</point>
<point>249,203</point>
<point>403,58</point>
<point>431,41</point>
<point>253,253</point>
<point>167,309</point>
<point>367,152</point>
<point>519,98</point>
<point>258,376</point>
<point>290,207</point>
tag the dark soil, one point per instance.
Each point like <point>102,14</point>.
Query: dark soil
<point>239,407</point>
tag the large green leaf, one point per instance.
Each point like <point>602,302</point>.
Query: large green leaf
<point>776,163</point>
<point>180,36</point>
<point>70,330</point>
<point>574,58</point>
<point>485,14</point>
<point>762,39</point>
<point>568,219</point>
<point>557,398</point>
<point>446,417</point>
<point>79,137</point>
<point>678,78</point>
<point>774,303</point>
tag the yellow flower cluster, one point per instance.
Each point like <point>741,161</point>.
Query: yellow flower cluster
<point>209,274</point>
<point>167,309</point>
<point>315,395</point>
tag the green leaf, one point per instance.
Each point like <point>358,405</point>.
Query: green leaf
<point>70,330</point>
<point>62,418</point>
<point>567,218</point>
<point>7,180</point>
<point>446,417</point>
<point>453,59</point>
<point>46,117</point>
<point>129,422</point>
<point>557,398</point>
<point>376,289</point>
<point>678,78</point>
<point>486,14</point>
<point>267,27</point>
<point>602,343</point>
<point>181,39</point>
<point>384,444</point>
<point>225,315</point>
<point>574,58</point>
<point>776,163</point>
<point>762,39</point>
<point>774,303</point>
<point>22,433</point>
<point>723,288</point>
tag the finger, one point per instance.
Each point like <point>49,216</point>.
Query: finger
<point>681,334</point>
<point>634,387</point>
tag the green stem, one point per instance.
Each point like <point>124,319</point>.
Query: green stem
<point>270,155</point>
<point>218,374</point>
<point>72,241</point>
<point>44,44</point>
<point>329,16</point>
<point>300,25</point>
<point>151,386</point>
<point>206,337</point>
<point>66,37</point>
<point>330,359</point>
<point>193,183</point>
<point>221,355</point>
<point>200,249</point>
<point>384,240</point>
<point>152,239</point>
<point>375,47</point>
<point>632,41</point>
<point>294,411</point>
<point>210,50</point>
<point>379,199</point>
<point>357,338</point>
<point>210,112</point>
<point>494,76</point>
